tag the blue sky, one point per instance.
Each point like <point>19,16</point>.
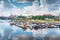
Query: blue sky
<point>7,3</point>
<point>29,7</point>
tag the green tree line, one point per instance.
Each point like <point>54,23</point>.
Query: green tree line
<point>38,17</point>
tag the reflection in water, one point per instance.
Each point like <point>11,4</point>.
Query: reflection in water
<point>8,32</point>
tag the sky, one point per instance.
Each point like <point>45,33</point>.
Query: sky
<point>29,7</point>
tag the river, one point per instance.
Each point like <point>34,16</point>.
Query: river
<point>8,32</point>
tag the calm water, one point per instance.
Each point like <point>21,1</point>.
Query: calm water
<point>8,32</point>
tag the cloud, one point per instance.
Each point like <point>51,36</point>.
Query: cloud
<point>51,5</point>
<point>44,8</point>
<point>56,12</point>
<point>30,0</point>
<point>16,11</point>
<point>5,12</point>
<point>51,1</point>
<point>27,10</point>
<point>7,3</point>
<point>19,1</point>
<point>1,4</point>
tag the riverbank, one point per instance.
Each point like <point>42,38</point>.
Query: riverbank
<point>39,21</point>
<point>51,21</point>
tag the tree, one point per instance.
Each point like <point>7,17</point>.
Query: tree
<point>21,17</point>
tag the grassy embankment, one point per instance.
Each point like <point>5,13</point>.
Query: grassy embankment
<point>53,21</point>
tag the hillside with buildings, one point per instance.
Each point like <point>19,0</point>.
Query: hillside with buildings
<point>44,17</point>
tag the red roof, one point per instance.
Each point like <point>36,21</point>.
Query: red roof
<point>46,14</point>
